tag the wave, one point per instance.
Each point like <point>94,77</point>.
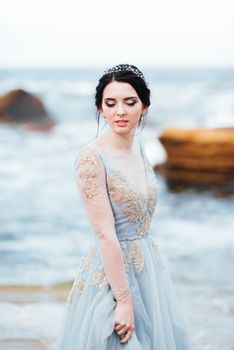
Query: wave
<point>64,87</point>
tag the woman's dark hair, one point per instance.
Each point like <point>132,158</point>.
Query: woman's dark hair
<point>124,73</point>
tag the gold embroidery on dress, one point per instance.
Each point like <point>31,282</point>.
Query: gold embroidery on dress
<point>132,202</point>
<point>127,260</point>
<point>152,200</point>
<point>143,229</point>
<point>76,290</point>
<point>134,256</point>
<point>88,162</point>
<point>87,259</point>
<point>155,247</point>
<point>137,208</point>
<point>137,257</point>
<point>121,192</point>
<point>99,279</point>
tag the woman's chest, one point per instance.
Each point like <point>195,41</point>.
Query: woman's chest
<point>127,197</point>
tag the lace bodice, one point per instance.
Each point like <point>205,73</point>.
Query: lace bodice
<point>120,214</point>
<point>132,209</point>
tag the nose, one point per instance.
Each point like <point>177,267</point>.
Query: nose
<point>120,109</point>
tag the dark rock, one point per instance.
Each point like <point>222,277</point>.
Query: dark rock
<point>21,107</point>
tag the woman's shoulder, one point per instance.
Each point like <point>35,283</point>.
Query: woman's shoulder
<point>88,155</point>
<point>92,146</point>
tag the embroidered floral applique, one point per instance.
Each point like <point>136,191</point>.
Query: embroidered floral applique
<point>88,162</point>
<point>153,198</point>
<point>123,195</point>
<point>76,290</point>
<point>134,256</point>
<point>99,278</point>
<point>155,247</point>
<point>136,206</point>
<point>144,226</point>
<point>92,275</point>
<point>137,256</point>
<point>133,203</point>
<point>85,267</point>
<point>86,260</point>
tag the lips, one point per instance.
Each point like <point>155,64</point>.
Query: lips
<point>121,123</point>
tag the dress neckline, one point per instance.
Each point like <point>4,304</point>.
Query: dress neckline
<point>127,178</point>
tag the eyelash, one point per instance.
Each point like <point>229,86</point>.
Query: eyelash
<point>129,104</point>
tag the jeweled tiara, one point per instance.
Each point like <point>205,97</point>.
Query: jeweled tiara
<point>123,68</point>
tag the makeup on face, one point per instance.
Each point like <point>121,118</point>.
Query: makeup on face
<point>121,106</point>
<point>130,101</point>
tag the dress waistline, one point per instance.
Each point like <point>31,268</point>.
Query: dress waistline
<point>133,237</point>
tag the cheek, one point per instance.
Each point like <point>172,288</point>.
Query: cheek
<point>107,111</point>
<point>135,112</point>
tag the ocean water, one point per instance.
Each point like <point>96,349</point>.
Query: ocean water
<point>43,226</point>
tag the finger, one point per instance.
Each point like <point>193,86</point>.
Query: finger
<point>123,330</point>
<point>126,338</point>
<point>119,326</point>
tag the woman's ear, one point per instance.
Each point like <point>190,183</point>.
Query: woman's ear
<point>100,110</point>
<point>144,110</point>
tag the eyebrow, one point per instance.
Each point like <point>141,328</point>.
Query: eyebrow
<point>126,98</point>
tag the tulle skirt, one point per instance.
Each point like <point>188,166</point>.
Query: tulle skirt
<point>88,321</point>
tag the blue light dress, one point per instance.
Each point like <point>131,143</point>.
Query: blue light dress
<point>88,322</point>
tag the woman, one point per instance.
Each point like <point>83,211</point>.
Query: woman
<point>122,296</point>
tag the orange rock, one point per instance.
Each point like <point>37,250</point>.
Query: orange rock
<point>198,156</point>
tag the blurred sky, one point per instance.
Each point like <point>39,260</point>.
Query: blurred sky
<point>73,33</point>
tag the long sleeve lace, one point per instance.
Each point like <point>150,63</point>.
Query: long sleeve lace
<point>91,183</point>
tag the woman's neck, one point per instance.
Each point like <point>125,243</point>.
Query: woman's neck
<point>120,143</point>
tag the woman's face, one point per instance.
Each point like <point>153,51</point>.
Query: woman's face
<point>122,107</point>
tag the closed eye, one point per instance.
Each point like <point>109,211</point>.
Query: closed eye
<point>110,104</point>
<point>128,103</point>
<point>131,103</point>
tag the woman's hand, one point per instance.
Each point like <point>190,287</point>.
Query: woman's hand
<point>124,319</point>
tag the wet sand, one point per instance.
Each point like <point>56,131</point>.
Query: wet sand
<point>22,344</point>
<point>34,296</point>
<point>30,293</point>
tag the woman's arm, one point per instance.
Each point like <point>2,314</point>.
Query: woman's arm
<point>90,178</point>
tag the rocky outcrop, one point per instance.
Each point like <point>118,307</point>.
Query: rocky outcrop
<point>21,107</point>
<point>198,156</point>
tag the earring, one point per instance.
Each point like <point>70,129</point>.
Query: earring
<point>142,119</point>
<point>139,122</point>
<point>143,116</point>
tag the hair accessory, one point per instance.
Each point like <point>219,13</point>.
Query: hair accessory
<point>123,68</point>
